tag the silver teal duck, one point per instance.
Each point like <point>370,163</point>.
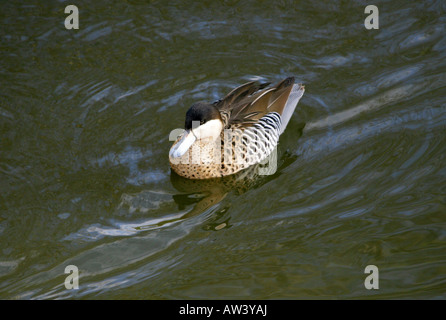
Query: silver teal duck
<point>235,132</point>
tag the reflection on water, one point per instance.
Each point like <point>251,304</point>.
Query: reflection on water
<point>85,118</point>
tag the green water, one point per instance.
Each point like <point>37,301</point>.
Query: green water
<point>85,117</point>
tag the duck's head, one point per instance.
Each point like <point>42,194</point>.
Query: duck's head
<point>203,121</point>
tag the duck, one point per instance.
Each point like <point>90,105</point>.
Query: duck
<point>236,132</point>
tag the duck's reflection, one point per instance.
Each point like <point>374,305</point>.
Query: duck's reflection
<point>193,197</point>
<point>204,194</point>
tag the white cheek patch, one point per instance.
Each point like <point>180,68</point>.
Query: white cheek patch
<point>212,128</point>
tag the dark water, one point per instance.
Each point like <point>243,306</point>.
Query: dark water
<point>85,117</point>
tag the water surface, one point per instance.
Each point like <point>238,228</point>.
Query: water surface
<point>85,118</point>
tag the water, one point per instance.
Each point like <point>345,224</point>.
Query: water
<point>85,117</point>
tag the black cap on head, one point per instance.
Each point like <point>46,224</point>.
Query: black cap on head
<point>201,112</point>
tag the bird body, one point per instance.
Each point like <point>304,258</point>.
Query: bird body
<point>236,132</point>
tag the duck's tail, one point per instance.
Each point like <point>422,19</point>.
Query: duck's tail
<point>296,93</point>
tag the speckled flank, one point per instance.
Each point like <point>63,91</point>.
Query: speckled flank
<point>207,159</point>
